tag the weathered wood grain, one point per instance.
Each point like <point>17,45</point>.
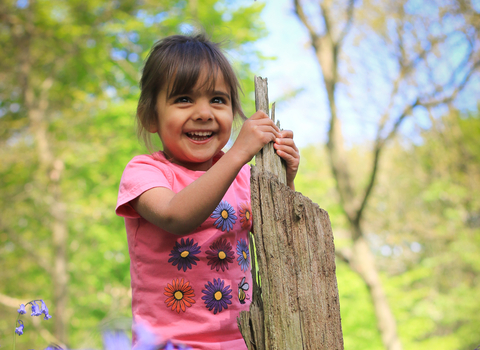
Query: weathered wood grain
<point>297,305</point>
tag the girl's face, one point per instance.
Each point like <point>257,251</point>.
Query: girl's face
<point>194,127</point>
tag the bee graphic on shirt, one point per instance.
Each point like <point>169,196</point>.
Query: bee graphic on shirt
<point>242,288</point>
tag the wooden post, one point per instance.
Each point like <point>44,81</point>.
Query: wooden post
<point>295,306</point>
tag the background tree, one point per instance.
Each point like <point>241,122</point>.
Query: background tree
<point>423,230</point>
<point>426,217</point>
<point>393,56</point>
<point>68,89</point>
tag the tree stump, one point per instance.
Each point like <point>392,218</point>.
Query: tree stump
<point>295,306</point>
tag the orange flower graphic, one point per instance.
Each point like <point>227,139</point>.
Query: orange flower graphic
<point>179,295</point>
<point>245,215</point>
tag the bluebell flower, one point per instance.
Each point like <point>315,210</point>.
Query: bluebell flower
<point>44,310</point>
<point>54,347</point>
<point>35,309</point>
<point>22,310</point>
<point>115,340</point>
<point>146,339</point>
<point>184,347</point>
<point>169,346</point>
<point>19,329</point>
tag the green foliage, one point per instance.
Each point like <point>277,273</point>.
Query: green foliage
<point>424,227</point>
<point>85,57</point>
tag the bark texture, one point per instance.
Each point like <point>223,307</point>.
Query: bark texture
<point>297,304</point>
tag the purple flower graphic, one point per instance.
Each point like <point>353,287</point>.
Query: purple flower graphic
<point>183,254</point>
<point>220,254</point>
<point>217,297</point>
<point>243,254</point>
<point>225,215</point>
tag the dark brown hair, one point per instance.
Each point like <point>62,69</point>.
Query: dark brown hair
<point>176,63</point>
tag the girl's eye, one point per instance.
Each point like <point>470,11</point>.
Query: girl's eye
<point>219,100</point>
<point>182,99</point>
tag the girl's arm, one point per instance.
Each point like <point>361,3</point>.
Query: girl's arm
<point>180,213</point>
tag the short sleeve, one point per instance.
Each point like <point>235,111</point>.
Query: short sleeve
<point>141,174</point>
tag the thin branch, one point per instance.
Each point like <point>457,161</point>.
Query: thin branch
<point>379,145</point>
<point>326,19</point>
<point>454,94</point>
<point>348,25</point>
<point>128,69</point>
<point>344,255</point>
<point>303,18</point>
<point>12,302</point>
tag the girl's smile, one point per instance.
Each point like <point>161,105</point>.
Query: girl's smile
<point>194,127</point>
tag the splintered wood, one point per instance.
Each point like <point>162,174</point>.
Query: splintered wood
<point>295,305</point>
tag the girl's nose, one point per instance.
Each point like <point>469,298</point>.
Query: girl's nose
<point>203,111</point>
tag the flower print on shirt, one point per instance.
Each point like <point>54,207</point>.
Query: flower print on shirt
<point>220,254</point>
<point>183,254</point>
<point>179,295</point>
<point>243,254</point>
<point>217,296</point>
<point>225,215</point>
<point>245,215</point>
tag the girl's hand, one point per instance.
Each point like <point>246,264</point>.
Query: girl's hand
<point>286,148</point>
<point>256,132</point>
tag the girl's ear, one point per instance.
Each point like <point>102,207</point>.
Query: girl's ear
<point>153,128</point>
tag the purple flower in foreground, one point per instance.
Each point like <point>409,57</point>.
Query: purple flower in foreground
<point>169,346</point>
<point>19,329</point>
<point>22,310</point>
<point>146,338</point>
<point>44,310</point>
<point>35,309</point>
<point>116,340</point>
<point>184,347</point>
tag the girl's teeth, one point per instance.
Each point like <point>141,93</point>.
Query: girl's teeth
<point>199,135</point>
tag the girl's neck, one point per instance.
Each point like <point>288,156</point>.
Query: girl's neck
<point>204,166</point>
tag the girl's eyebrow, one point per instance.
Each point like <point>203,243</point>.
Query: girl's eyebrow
<point>221,93</point>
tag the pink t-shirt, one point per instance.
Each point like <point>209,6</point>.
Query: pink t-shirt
<point>189,289</point>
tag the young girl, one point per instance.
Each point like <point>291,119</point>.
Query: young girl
<point>187,208</point>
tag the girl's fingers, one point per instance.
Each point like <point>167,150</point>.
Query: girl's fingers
<point>291,157</point>
<point>261,118</point>
<point>287,134</point>
<point>259,115</point>
<point>286,142</point>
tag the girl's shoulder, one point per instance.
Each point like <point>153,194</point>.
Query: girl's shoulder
<point>146,167</point>
<point>156,160</point>
<point>150,158</point>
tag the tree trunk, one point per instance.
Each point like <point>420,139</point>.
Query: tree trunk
<point>49,175</point>
<point>297,304</point>
<point>363,262</point>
